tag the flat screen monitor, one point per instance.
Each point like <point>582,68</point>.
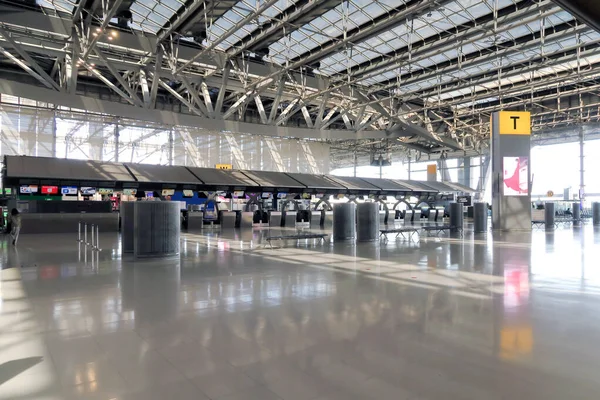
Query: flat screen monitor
<point>238,195</point>
<point>282,195</point>
<point>69,190</point>
<point>49,189</point>
<point>28,189</point>
<point>88,191</point>
<point>267,196</point>
<point>129,192</point>
<point>149,194</point>
<point>107,191</point>
<point>306,196</point>
<point>168,192</point>
<point>320,195</point>
<point>188,193</point>
<point>8,191</point>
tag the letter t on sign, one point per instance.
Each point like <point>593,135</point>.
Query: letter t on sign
<point>515,121</point>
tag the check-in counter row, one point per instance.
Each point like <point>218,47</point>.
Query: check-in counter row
<point>67,223</point>
<point>237,219</point>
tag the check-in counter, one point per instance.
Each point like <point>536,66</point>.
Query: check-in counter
<point>246,219</point>
<point>328,220</point>
<point>416,217</point>
<point>195,221</point>
<point>228,219</point>
<point>316,219</point>
<point>289,219</point>
<point>432,215</point>
<point>67,222</point>
<point>274,218</point>
<point>382,218</point>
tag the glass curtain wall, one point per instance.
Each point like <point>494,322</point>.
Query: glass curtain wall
<point>39,129</point>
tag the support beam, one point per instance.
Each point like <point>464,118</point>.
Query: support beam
<point>284,114</point>
<point>192,91</point>
<point>177,95</point>
<point>307,117</point>
<point>319,119</point>
<point>145,89</point>
<point>276,101</point>
<point>207,99</point>
<point>108,83</point>
<point>30,64</point>
<point>72,67</point>
<point>119,78</point>
<point>156,76</point>
<point>222,90</point>
<point>261,109</point>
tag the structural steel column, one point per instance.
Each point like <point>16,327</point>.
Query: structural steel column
<point>117,141</point>
<point>581,167</point>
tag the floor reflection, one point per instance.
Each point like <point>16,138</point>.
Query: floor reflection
<point>232,318</point>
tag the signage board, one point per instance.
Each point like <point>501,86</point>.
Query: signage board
<point>224,166</point>
<point>514,123</point>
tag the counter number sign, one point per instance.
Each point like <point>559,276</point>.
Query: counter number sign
<point>224,166</point>
<point>514,123</point>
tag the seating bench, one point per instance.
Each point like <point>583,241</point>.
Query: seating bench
<point>297,236</point>
<point>438,229</point>
<point>399,231</point>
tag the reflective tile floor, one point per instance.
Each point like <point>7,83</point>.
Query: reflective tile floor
<point>516,316</point>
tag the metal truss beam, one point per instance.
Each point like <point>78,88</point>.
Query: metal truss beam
<point>377,26</point>
<point>145,89</point>
<point>529,14</point>
<point>471,61</point>
<point>179,97</point>
<point>119,78</point>
<point>261,110</point>
<point>207,100</point>
<point>222,90</point>
<point>171,27</point>
<point>276,100</point>
<point>273,28</point>
<point>244,21</point>
<point>108,83</point>
<point>193,92</point>
<point>532,13</point>
<point>156,76</point>
<point>108,15</point>
<point>51,32</point>
<point>30,65</point>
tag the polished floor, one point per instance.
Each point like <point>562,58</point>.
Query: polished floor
<point>513,316</point>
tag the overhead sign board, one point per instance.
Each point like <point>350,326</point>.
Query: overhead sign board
<point>224,166</point>
<point>514,123</point>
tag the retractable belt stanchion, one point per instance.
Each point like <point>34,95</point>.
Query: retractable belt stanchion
<point>79,231</point>
<point>85,234</point>
<point>98,238</point>
<point>93,243</point>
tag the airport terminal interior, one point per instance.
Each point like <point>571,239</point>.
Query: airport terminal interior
<point>299,199</point>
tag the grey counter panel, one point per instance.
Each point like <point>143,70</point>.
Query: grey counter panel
<point>270,179</point>
<point>67,223</point>
<point>60,168</point>
<point>162,174</point>
<point>221,177</point>
<point>195,221</point>
<point>319,182</point>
